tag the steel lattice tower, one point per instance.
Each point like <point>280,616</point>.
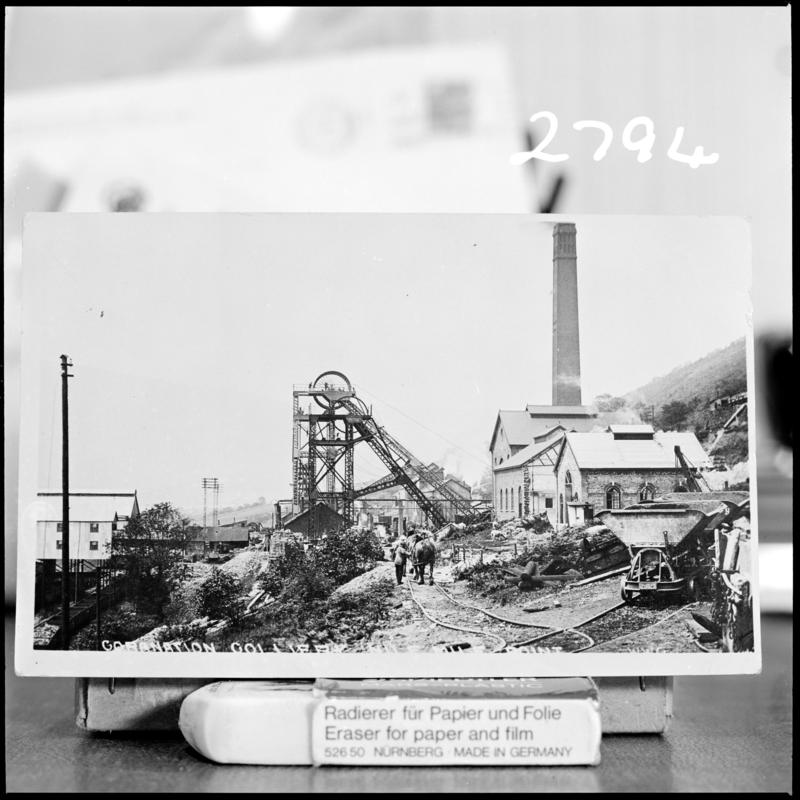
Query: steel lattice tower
<point>328,421</point>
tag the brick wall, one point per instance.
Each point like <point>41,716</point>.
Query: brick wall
<point>595,482</point>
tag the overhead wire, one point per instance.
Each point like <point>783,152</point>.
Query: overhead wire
<point>483,460</point>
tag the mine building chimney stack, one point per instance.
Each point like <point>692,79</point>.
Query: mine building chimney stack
<point>566,345</point>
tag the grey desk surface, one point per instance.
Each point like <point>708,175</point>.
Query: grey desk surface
<point>731,733</point>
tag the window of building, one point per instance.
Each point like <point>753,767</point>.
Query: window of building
<point>94,527</point>
<point>568,485</point>
<point>93,545</point>
<point>548,502</point>
<point>647,492</point>
<point>113,526</point>
<point>613,497</point>
<point>58,544</point>
<point>59,526</point>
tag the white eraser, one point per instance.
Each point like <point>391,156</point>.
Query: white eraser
<point>250,722</point>
<point>390,722</point>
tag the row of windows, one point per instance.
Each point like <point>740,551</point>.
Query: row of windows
<point>613,495</point>
<point>93,545</point>
<point>507,499</point>
<point>94,527</point>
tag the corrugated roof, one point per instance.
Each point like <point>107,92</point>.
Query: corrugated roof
<point>600,450</point>
<point>527,453</point>
<point>85,507</point>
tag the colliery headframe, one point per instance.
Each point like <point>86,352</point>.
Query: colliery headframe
<point>329,421</point>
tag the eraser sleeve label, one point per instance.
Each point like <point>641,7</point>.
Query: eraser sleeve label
<point>392,731</point>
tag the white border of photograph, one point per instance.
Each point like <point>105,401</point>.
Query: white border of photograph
<point>128,663</point>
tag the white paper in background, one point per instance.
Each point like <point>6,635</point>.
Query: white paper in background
<point>410,130</point>
<point>415,130</point>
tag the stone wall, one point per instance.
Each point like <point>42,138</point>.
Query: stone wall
<point>594,484</point>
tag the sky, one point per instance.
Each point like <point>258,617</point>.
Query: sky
<point>188,331</point>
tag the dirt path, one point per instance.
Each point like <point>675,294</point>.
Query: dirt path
<point>423,618</point>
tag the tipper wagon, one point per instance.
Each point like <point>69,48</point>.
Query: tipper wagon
<point>670,541</point>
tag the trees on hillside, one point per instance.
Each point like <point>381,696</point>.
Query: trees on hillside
<point>673,415</point>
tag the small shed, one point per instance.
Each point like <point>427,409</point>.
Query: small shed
<point>221,538</point>
<point>327,519</point>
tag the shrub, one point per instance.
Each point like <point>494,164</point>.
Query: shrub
<point>219,596</point>
<point>313,575</point>
<point>121,624</point>
<point>344,555</point>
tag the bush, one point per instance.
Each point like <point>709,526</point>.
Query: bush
<point>219,596</point>
<point>121,624</point>
<point>185,633</point>
<point>313,575</point>
<point>344,555</point>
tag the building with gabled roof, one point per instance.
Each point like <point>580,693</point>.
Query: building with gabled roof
<point>515,430</point>
<point>520,439</point>
<point>617,467</point>
<point>326,518</point>
<point>525,483</point>
<point>93,518</point>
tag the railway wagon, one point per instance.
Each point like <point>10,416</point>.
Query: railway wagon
<point>668,542</point>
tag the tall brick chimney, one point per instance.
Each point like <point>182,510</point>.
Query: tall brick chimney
<point>566,345</point>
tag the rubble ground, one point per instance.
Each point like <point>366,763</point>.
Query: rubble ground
<point>407,630</point>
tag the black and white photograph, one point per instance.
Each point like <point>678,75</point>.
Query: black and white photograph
<point>386,445</point>
<point>398,397</point>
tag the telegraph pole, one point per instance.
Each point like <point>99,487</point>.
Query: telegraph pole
<point>65,365</point>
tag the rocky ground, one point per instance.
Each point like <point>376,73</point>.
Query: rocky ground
<point>642,628</point>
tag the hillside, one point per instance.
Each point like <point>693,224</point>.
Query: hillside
<point>259,511</point>
<point>681,399</point>
<point>720,373</point>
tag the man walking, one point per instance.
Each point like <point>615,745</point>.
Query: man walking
<point>400,556</point>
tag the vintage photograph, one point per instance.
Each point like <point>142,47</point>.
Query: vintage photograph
<point>293,445</point>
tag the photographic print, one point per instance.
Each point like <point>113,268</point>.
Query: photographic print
<point>388,445</point>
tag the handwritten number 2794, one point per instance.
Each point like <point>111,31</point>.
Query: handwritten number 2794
<point>638,136</point>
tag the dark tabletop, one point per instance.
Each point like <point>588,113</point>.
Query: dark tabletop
<point>729,733</point>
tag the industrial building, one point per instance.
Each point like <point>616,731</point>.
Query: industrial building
<point>523,442</point>
<point>218,539</point>
<point>93,520</point>
<point>323,519</point>
<point>561,459</point>
<point>395,508</point>
<point>623,465</point>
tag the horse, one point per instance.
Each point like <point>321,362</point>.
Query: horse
<point>423,552</point>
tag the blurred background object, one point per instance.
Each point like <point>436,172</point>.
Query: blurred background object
<point>408,109</point>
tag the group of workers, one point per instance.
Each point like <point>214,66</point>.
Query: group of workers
<point>403,548</point>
